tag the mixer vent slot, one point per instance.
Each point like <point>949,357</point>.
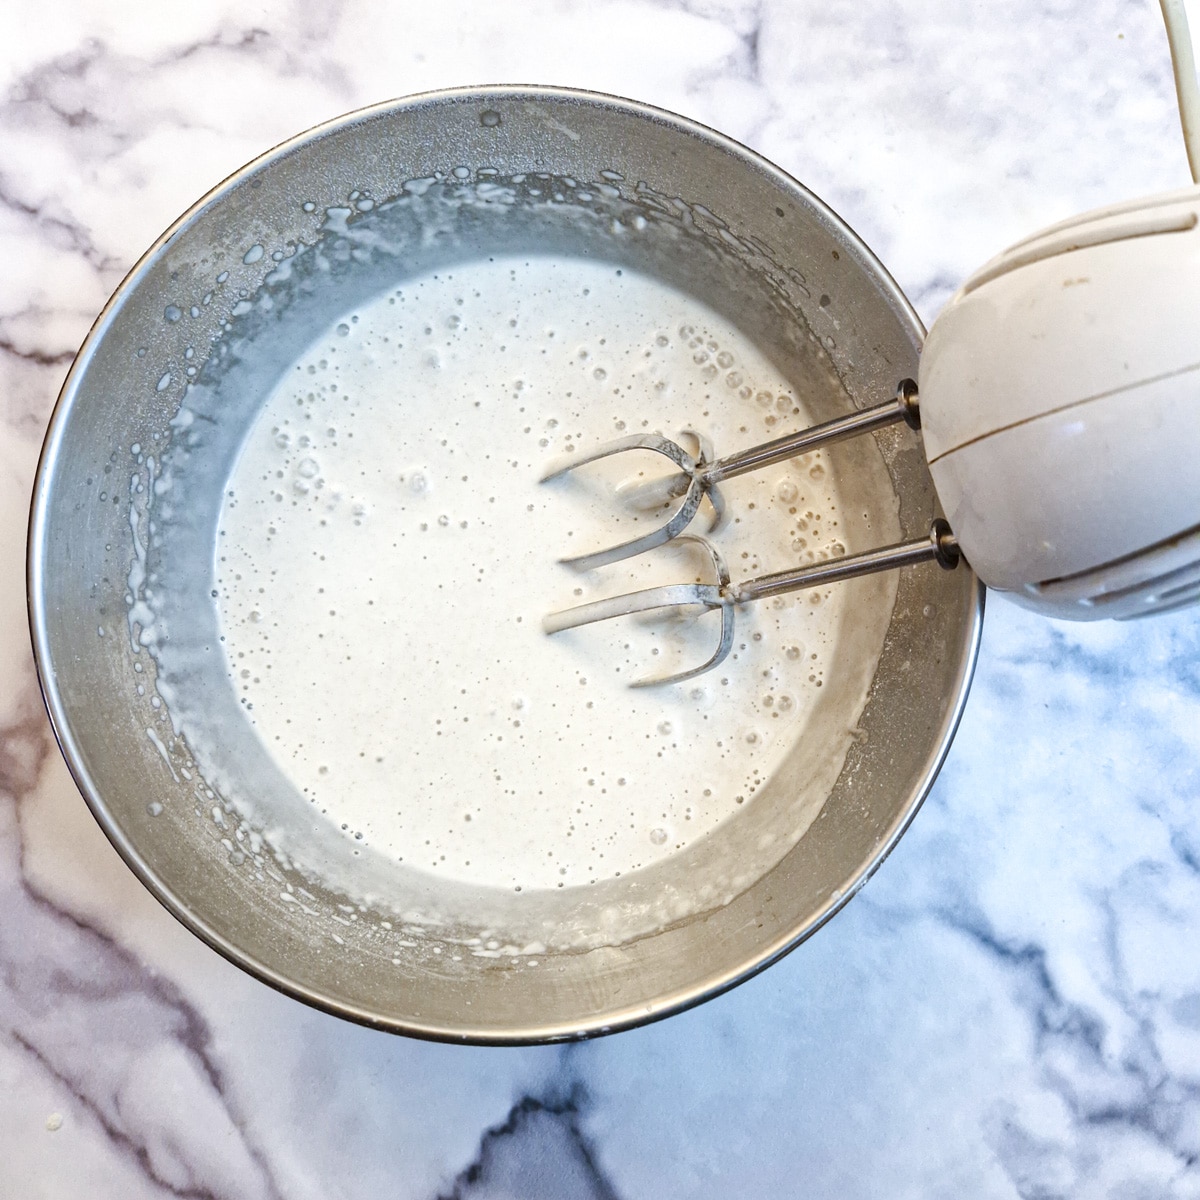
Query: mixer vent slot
<point>1162,577</point>
<point>1167,602</point>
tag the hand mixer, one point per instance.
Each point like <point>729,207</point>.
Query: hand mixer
<point>1059,412</point>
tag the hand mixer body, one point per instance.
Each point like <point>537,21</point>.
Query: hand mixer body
<point>1060,409</point>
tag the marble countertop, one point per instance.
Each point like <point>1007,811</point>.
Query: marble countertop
<point>1011,1008</point>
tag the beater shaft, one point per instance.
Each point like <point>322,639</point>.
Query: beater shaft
<point>902,407</point>
<point>939,546</point>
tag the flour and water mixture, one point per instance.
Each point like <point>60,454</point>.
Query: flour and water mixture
<point>386,552</point>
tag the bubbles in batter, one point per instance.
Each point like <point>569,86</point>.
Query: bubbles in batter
<point>385,554</point>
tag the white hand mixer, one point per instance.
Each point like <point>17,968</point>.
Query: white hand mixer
<point>1059,409</point>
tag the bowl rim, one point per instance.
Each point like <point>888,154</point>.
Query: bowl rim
<point>532,1033</point>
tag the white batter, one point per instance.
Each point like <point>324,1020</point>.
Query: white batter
<point>385,555</point>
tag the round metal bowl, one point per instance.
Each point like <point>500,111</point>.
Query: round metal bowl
<point>724,224</point>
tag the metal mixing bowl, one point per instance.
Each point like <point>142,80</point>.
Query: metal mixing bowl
<point>722,223</point>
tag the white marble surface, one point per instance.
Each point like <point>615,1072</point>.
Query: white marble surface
<point>1012,1006</point>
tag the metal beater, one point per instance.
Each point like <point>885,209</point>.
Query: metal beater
<point>700,473</point>
<point>698,478</point>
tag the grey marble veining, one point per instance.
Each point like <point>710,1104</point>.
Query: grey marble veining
<point>1011,1008</point>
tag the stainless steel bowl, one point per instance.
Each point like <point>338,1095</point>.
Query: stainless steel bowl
<point>728,226</point>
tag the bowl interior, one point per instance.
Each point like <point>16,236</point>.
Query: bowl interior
<point>147,430</point>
